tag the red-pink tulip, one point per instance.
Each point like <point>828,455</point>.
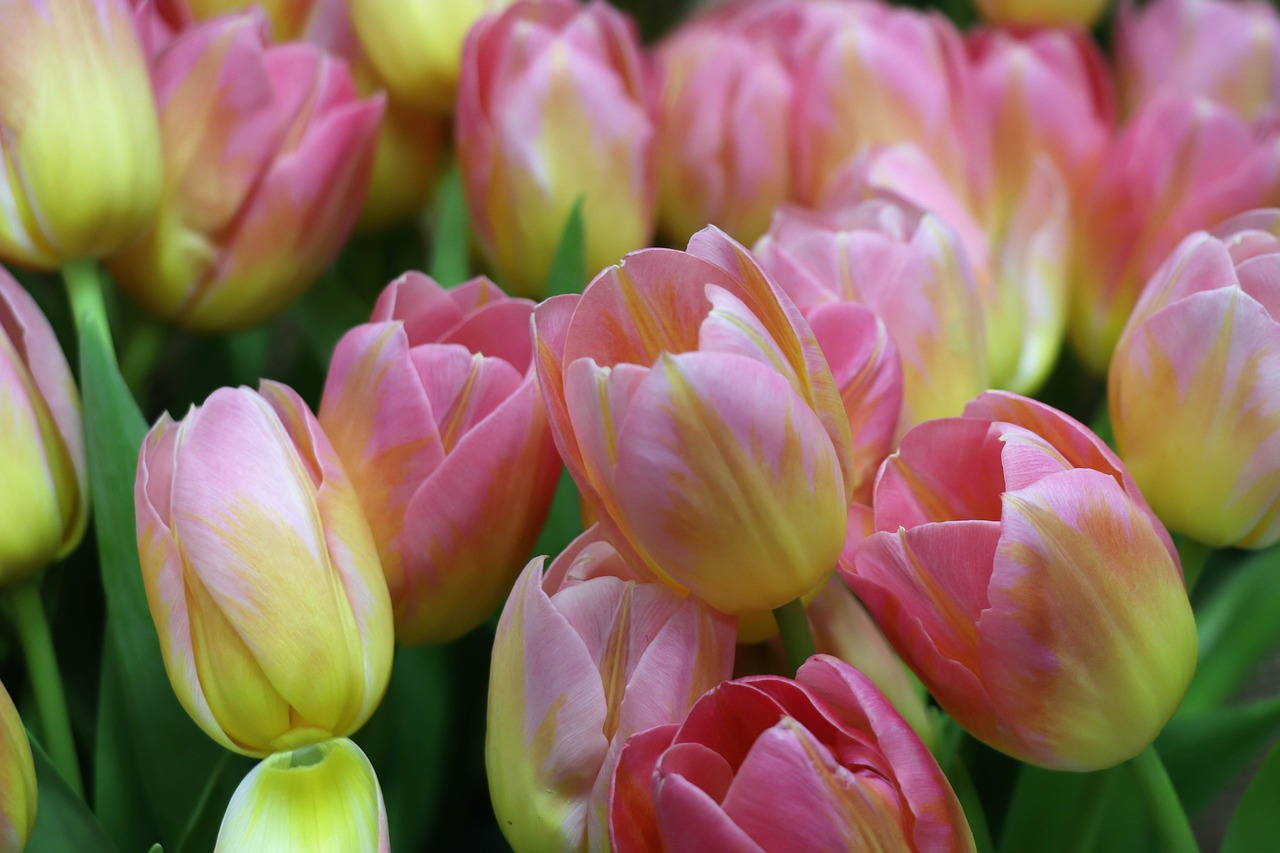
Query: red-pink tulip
<point>773,765</point>
<point>434,409</point>
<point>1022,576</point>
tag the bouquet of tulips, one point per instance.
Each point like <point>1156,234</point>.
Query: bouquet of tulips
<point>755,425</point>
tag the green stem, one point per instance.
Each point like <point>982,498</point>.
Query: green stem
<point>797,639</point>
<point>1166,810</point>
<point>1092,811</point>
<point>27,610</point>
<point>1193,555</point>
<point>84,289</point>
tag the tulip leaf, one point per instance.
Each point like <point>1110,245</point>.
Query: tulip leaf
<point>1205,750</point>
<point>1256,822</point>
<point>451,246</point>
<point>568,272</point>
<point>1057,812</point>
<point>63,821</point>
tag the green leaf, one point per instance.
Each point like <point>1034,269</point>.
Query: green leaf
<point>1256,822</point>
<point>326,312</point>
<point>1205,750</point>
<point>971,802</point>
<point>1051,812</point>
<point>451,248</point>
<point>63,821</point>
<point>568,272</point>
<point>564,521</point>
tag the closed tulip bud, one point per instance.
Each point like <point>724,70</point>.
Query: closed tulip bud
<point>698,417</point>
<point>1019,572</point>
<point>45,499</point>
<point>1196,379</point>
<point>262,576</point>
<point>1042,13</point>
<point>267,153</point>
<point>17,779</point>
<point>770,764</point>
<point>67,192</point>
<point>1226,51</point>
<point>554,107</point>
<point>585,656</point>
<point>911,269</point>
<point>1181,165</point>
<point>433,408</point>
<point>316,798</point>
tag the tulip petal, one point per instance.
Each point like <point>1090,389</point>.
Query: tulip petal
<point>944,470</point>
<point>633,824</point>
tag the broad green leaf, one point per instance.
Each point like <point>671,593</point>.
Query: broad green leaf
<point>1056,812</point>
<point>569,266</point>
<point>1256,822</point>
<point>451,246</point>
<point>1205,750</point>
<point>206,819</point>
<point>971,802</point>
<point>564,522</point>
<point>63,821</point>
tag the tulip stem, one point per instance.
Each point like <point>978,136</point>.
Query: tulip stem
<point>84,290</point>
<point>797,639</point>
<point>1193,555</point>
<point>1092,810</point>
<point>1162,802</point>
<point>27,610</point>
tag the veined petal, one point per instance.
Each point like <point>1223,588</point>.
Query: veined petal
<point>944,470</point>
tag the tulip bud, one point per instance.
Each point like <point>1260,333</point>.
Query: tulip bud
<point>1042,13</point>
<point>553,108</point>
<point>261,573</point>
<point>1228,52</point>
<point>766,763</point>
<point>1196,379</point>
<point>267,155</point>
<point>433,408</point>
<point>584,657</point>
<point>1180,165</point>
<point>17,779</point>
<point>1022,576</point>
<point>80,167</point>
<point>320,797</point>
<point>699,418</point>
<point>45,498</point>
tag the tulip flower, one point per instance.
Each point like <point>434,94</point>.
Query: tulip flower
<point>1042,13</point>
<point>585,656</point>
<point>907,266</point>
<point>267,153</point>
<point>262,576</point>
<point>45,499</point>
<point>17,779</point>
<point>1181,164</point>
<point>699,419</point>
<point>321,797</point>
<point>67,193</point>
<point>409,158</point>
<point>554,107</point>
<point>770,764</point>
<point>1019,572</point>
<point>433,408</point>
<point>1196,379</point>
<point>1228,52</point>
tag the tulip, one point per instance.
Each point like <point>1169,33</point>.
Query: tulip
<point>433,408</point>
<point>1042,13</point>
<point>417,46</point>
<point>262,576</point>
<point>45,499</point>
<point>408,160</point>
<point>267,153</point>
<point>1228,52</point>
<point>287,20</point>
<point>554,109</point>
<point>765,763</point>
<point>699,419</point>
<point>68,193</point>
<point>585,656</point>
<point>1180,165</point>
<point>1195,385</point>
<point>907,266</point>
<point>17,779</point>
<point>723,155</point>
<point>317,798</point>
<point>1020,574</point>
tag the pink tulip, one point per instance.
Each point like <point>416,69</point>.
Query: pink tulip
<point>1180,165</point>
<point>773,765</point>
<point>1226,51</point>
<point>585,656</point>
<point>555,106</point>
<point>1195,385</point>
<point>695,411</point>
<point>434,409</point>
<point>267,154</point>
<point>1022,576</point>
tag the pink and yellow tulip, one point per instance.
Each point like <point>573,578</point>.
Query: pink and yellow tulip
<point>555,108</point>
<point>261,573</point>
<point>1022,576</point>
<point>17,779</point>
<point>267,153</point>
<point>585,656</point>
<point>67,192</point>
<point>1195,385</point>
<point>45,498</point>
<point>1042,13</point>
<point>695,410</point>
<point>433,408</point>
<point>853,774</point>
